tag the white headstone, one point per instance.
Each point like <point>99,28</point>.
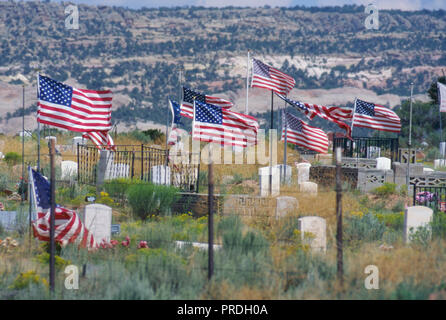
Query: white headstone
<point>69,169</point>
<point>303,172</point>
<point>160,175</point>
<point>48,138</point>
<point>286,205</point>
<point>285,172</point>
<point>200,245</point>
<point>264,177</point>
<point>1,155</point>
<point>316,226</point>
<point>438,163</point>
<point>415,217</point>
<point>8,220</point>
<point>308,187</point>
<point>97,219</point>
<point>77,140</point>
<point>383,163</point>
<point>428,170</point>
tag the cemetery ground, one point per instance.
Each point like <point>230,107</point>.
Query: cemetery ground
<point>256,257</point>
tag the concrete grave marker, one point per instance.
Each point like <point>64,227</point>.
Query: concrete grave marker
<point>383,163</point>
<point>373,152</point>
<point>303,172</point>
<point>317,226</point>
<point>438,163</point>
<point>308,187</point>
<point>414,218</point>
<point>68,169</point>
<point>8,220</point>
<point>160,175</point>
<point>97,219</point>
<point>264,177</point>
<point>286,205</point>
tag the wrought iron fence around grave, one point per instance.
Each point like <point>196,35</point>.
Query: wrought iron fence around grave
<point>364,147</point>
<point>432,197</point>
<point>138,162</point>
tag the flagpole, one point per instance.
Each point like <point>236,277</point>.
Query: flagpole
<point>167,135</point>
<point>247,84</point>
<point>410,140</point>
<point>38,123</point>
<point>284,123</point>
<point>23,143</point>
<point>271,147</point>
<point>52,214</point>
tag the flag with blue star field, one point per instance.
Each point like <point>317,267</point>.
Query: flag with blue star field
<point>304,135</point>
<point>81,110</point>
<point>374,116</point>
<point>226,127</point>
<point>334,114</point>
<point>267,77</point>
<point>187,105</point>
<point>176,111</point>
<point>68,226</point>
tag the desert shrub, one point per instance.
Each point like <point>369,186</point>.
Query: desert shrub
<point>363,227</point>
<point>399,206</point>
<point>4,182</point>
<point>392,220</point>
<point>421,236</point>
<point>439,225</point>
<point>385,190</point>
<point>26,279</point>
<point>117,188</point>
<point>150,199</point>
<point>12,158</point>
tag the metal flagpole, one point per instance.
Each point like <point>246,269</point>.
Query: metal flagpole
<point>284,126</point>
<point>38,126</point>
<point>211,216</point>
<point>23,143</point>
<point>339,244</point>
<point>53,213</point>
<point>167,136</point>
<point>247,84</point>
<point>271,147</point>
<point>410,140</point>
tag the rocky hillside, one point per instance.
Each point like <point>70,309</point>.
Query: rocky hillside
<point>137,54</point>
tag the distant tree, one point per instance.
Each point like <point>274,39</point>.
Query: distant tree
<point>433,91</point>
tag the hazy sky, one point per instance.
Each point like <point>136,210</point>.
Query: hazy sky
<point>382,4</point>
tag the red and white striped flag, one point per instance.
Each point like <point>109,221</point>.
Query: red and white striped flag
<point>215,124</point>
<point>334,114</point>
<point>68,226</point>
<point>187,105</point>
<point>80,110</point>
<point>102,139</point>
<point>374,116</point>
<point>267,77</point>
<point>301,134</point>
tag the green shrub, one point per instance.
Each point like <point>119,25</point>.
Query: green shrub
<point>12,158</point>
<point>392,220</point>
<point>385,190</point>
<point>117,188</point>
<point>365,227</point>
<point>439,225</point>
<point>149,199</point>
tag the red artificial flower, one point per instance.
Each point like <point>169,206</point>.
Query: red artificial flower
<point>143,244</point>
<point>126,242</point>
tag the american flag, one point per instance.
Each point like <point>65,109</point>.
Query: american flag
<point>333,114</point>
<point>301,134</point>
<point>68,226</point>
<point>373,116</point>
<point>215,124</point>
<point>80,110</point>
<point>102,139</point>
<point>187,105</point>
<point>267,77</point>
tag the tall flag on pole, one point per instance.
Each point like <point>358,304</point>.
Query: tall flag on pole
<point>215,124</point>
<point>102,139</point>
<point>333,114</point>
<point>176,116</point>
<point>374,116</point>
<point>66,107</point>
<point>442,96</point>
<point>304,135</point>
<point>187,105</point>
<point>267,77</point>
<point>68,226</point>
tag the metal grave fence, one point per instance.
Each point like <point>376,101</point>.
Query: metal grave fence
<point>369,148</point>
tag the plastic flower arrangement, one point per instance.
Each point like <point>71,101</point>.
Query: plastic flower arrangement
<point>9,244</point>
<point>143,244</point>
<point>126,242</point>
<point>424,196</point>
